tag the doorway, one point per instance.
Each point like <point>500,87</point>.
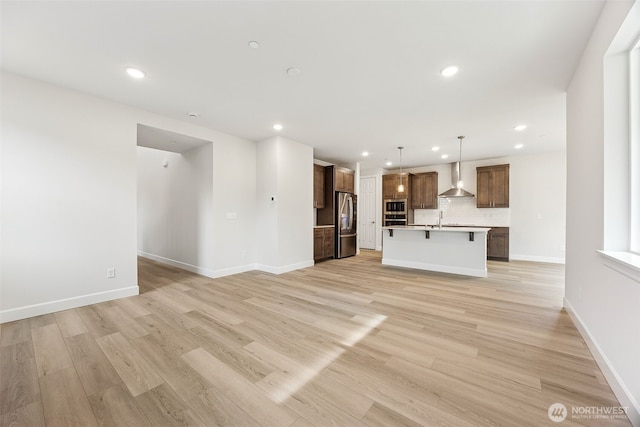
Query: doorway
<point>174,198</point>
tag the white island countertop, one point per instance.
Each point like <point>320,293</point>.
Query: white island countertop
<point>457,228</point>
<point>458,250</point>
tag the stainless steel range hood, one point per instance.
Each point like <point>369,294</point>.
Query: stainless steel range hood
<point>456,189</point>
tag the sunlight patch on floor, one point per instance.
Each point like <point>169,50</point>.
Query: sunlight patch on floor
<point>282,384</point>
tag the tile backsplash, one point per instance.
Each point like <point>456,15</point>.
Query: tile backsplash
<point>463,211</point>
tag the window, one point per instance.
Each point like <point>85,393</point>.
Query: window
<point>634,148</point>
<point>621,243</point>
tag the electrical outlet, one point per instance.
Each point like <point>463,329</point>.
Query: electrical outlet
<point>111,272</point>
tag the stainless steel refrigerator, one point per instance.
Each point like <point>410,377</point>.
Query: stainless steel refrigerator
<point>346,233</point>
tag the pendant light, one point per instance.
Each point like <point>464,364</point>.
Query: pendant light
<point>460,184</point>
<point>400,186</point>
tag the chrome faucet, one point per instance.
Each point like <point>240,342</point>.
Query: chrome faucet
<point>440,219</point>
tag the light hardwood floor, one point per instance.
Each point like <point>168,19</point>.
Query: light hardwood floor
<point>345,343</point>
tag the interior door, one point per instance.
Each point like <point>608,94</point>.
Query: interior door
<point>367,213</point>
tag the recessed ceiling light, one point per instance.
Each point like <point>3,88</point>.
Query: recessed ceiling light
<point>449,71</point>
<point>254,44</point>
<point>134,72</point>
<point>436,148</point>
<point>518,146</point>
<point>293,71</point>
<point>365,153</point>
<point>277,126</point>
<point>389,163</point>
<point>193,115</point>
<point>520,127</point>
<point>444,156</point>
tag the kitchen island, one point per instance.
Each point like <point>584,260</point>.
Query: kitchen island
<point>458,250</point>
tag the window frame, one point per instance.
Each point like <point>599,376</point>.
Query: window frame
<point>634,148</point>
<point>621,84</point>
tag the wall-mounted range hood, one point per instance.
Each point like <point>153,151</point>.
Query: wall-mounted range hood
<point>456,189</point>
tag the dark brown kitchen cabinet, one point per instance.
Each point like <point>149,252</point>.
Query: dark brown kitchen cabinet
<point>336,179</point>
<point>498,244</point>
<point>318,186</point>
<point>390,186</point>
<point>492,186</point>
<point>424,190</point>
<point>323,243</point>
<point>345,180</point>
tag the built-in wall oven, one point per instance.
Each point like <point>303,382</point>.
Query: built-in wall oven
<point>395,212</point>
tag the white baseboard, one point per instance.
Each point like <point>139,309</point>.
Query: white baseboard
<point>65,304</point>
<point>178,264</point>
<point>618,387</point>
<point>534,258</point>
<point>232,270</point>
<point>284,269</point>
<point>214,274</point>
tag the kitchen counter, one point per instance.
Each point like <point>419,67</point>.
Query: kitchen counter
<point>457,250</point>
<point>454,228</point>
<point>324,226</point>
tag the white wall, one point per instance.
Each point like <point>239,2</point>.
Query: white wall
<point>234,191</point>
<point>175,207</point>
<point>538,207</point>
<point>295,203</point>
<point>603,302</point>
<point>284,205</point>
<point>267,203</point>
<point>69,197</point>
<point>536,213</point>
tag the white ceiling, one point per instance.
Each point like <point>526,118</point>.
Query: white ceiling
<point>369,69</point>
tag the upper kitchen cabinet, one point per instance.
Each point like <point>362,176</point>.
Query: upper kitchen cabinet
<point>493,186</point>
<point>390,186</point>
<point>424,190</point>
<point>336,179</point>
<point>345,180</point>
<point>318,186</point>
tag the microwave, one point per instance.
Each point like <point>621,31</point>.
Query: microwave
<point>395,206</point>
